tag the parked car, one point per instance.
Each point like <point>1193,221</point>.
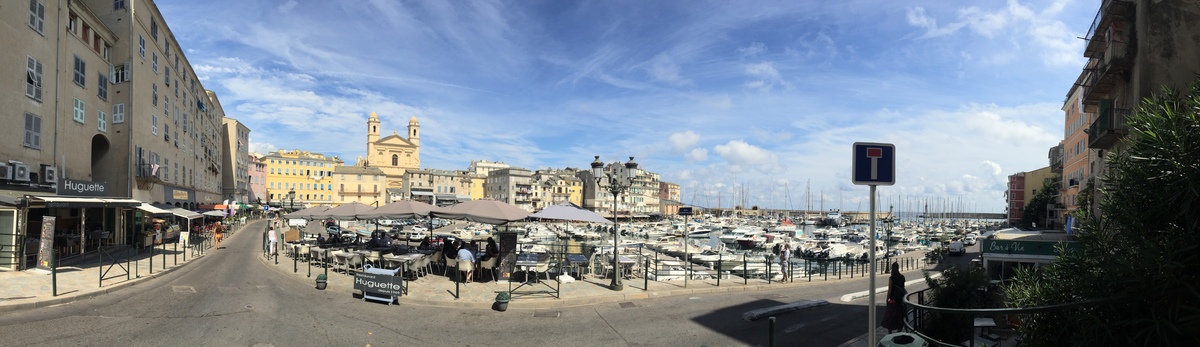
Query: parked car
<point>957,248</point>
<point>333,229</point>
<point>416,236</point>
<point>969,240</point>
<point>387,222</point>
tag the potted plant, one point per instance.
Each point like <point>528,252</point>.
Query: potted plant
<point>321,281</point>
<point>501,301</point>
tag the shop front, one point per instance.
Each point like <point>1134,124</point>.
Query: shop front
<point>1008,250</point>
<point>179,197</point>
<point>11,242</point>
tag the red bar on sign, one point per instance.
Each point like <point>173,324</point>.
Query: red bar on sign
<point>874,152</point>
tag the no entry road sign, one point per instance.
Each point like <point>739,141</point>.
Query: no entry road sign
<point>874,164</point>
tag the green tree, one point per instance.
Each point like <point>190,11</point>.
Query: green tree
<point>1035,210</point>
<point>957,288</point>
<point>1141,247</point>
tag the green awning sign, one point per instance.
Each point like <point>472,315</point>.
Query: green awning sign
<point>1012,247</point>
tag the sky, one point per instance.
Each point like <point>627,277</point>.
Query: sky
<point>754,101</point>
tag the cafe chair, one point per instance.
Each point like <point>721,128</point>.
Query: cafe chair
<point>490,266</point>
<point>449,263</point>
<point>355,262</point>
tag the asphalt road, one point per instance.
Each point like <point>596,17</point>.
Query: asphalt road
<point>229,299</point>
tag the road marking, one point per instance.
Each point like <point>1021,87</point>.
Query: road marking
<point>792,329</point>
<point>183,289</point>
<point>883,290</point>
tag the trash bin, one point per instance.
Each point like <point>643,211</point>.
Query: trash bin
<point>902,340</point>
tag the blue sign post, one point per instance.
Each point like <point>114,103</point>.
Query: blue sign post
<point>873,164</point>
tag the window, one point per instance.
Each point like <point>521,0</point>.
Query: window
<point>105,50</point>
<point>118,4</point>
<point>33,131</point>
<point>154,124</point>
<point>154,94</point>
<point>120,73</point>
<point>167,76</point>
<point>102,90</point>
<point>395,160</point>
<point>154,30</point>
<point>37,16</point>
<point>154,61</point>
<point>142,46</point>
<point>102,122</point>
<point>71,20</point>
<point>33,78</point>
<point>80,69</point>
<point>79,111</point>
<point>118,114</point>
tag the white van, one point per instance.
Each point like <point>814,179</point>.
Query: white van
<point>957,248</point>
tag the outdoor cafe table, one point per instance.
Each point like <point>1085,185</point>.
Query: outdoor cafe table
<point>626,266</point>
<point>578,262</point>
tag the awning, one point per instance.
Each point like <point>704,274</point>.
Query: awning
<point>185,213</point>
<point>214,214</point>
<point>83,202</point>
<point>445,197</point>
<point>152,210</point>
<point>9,201</point>
<point>423,193</point>
<point>122,202</point>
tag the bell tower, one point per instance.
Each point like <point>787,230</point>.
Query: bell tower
<point>413,128</point>
<point>372,129</point>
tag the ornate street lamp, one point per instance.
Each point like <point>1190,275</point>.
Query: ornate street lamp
<point>615,184</point>
<point>292,197</point>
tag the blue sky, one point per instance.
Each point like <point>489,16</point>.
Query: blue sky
<point>721,97</point>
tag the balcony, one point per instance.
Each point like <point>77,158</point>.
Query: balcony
<point>1111,11</point>
<point>1056,159</point>
<point>1107,71</point>
<point>1108,128</point>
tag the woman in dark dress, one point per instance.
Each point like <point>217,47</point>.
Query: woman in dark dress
<point>893,317</point>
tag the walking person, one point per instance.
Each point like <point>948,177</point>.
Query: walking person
<point>271,238</point>
<point>785,255</point>
<point>893,316</point>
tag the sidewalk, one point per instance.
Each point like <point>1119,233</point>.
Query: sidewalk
<point>79,277</point>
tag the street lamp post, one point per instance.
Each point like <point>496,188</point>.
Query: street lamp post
<point>292,199</point>
<point>614,184</point>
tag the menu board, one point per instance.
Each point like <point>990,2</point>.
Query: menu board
<point>45,252</point>
<point>508,246</point>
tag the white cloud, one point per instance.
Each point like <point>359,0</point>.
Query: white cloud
<point>262,147</point>
<point>1010,26</point>
<point>740,153</point>
<point>663,69</point>
<point>766,74</point>
<point>755,48</point>
<point>683,140</point>
<point>991,167</point>
<point>696,155</point>
<point>288,6</point>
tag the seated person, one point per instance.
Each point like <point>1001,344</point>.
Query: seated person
<point>448,250</point>
<point>466,261</point>
<point>320,239</point>
<point>385,240</point>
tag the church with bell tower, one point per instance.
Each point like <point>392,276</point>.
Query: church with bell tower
<point>394,155</point>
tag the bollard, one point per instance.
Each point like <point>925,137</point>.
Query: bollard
<point>54,273</point>
<point>745,271</point>
<point>807,269</point>
<point>309,262</point>
<point>295,259</point>
<point>326,263</point>
<point>769,271</point>
<point>127,257</point>
<point>185,249</point>
<point>152,258</point>
<point>771,332</point>
<point>175,252</point>
<point>164,256</point>
<point>458,279</point>
<point>646,274</point>
<point>100,273</point>
<point>719,255</point>
<point>276,257</point>
<point>839,267</point>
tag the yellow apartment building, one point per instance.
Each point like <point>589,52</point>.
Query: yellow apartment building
<point>366,185</point>
<point>308,175</point>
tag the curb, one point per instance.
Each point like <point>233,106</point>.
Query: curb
<point>53,301</point>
